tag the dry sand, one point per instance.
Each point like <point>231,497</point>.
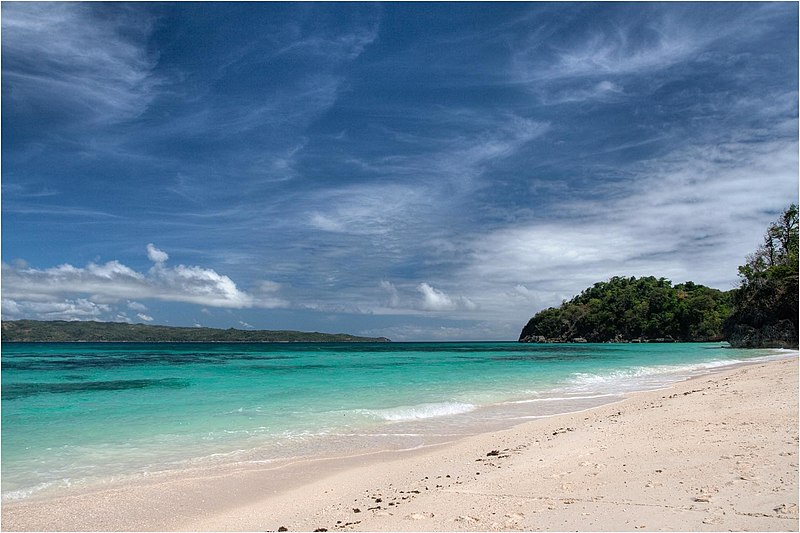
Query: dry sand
<point>714,453</point>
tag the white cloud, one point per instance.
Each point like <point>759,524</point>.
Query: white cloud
<point>71,309</point>
<point>155,255</point>
<point>436,300</point>
<point>146,318</point>
<point>136,306</point>
<point>245,325</point>
<point>198,285</point>
<point>88,291</point>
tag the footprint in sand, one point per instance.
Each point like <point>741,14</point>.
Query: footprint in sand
<point>418,516</point>
<point>512,520</point>
<point>787,509</point>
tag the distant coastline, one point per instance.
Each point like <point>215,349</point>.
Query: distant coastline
<point>90,331</point>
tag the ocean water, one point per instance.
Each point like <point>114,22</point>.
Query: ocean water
<point>78,414</point>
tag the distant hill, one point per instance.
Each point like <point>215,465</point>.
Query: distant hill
<point>83,331</point>
<point>639,310</point>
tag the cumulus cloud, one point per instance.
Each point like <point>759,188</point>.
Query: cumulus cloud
<point>114,281</point>
<point>70,309</point>
<point>436,300</point>
<point>136,306</point>
<point>70,292</point>
<point>155,255</point>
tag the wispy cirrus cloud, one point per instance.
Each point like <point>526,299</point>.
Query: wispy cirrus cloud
<point>689,216</point>
<point>80,61</point>
<point>418,173</point>
<point>334,45</point>
<point>567,61</point>
<point>405,187</point>
<point>619,44</point>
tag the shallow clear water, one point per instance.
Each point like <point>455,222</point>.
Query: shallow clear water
<point>74,413</point>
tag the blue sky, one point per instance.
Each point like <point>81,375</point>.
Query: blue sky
<point>420,171</point>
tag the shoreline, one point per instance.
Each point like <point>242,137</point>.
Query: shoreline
<point>308,494</point>
<point>396,435</point>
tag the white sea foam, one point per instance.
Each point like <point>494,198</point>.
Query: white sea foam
<point>657,376</point>
<point>560,398</point>
<point>19,494</point>
<point>420,411</point>
<point>637,377</point>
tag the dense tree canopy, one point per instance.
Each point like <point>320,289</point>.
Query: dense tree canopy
<point>630,308</point>
<point>766,303</point>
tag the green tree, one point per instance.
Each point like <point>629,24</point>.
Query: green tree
<point>766,302</point>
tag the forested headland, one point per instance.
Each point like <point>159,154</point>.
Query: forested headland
<point>630,309</point>
<point>761,312</point>
<point>766,303</point>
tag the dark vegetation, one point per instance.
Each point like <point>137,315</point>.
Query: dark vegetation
<point>80,331</point>
<point>761,313</point>
<point>766,311</point>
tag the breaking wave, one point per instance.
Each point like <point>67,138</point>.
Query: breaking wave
<point>417,412</point>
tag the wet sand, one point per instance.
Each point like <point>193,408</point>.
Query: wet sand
<point>718,452</point>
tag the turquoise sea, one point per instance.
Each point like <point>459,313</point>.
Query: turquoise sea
<point>78,413</point>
